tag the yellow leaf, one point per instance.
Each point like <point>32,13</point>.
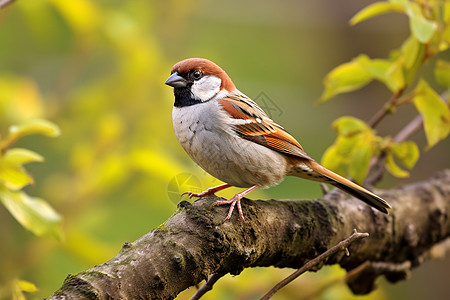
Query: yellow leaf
<point>393,168</point>
<point>375,9</point>
<point>360,157</point>
<point>348,126</point>
<point>395,79</point>
<point>17,294</point>
<point>14,177</point>
<point>26,286</point>
<point>34,214</point>
<point>411,50</point>
<point>422,28</point>
<point>406,152</point>
<point>332,159</point>
<point>412,53</point>
<point>35,126</point>
<point>351,152</point>
<point>436,114</point>
<point>20,156</point>
<point>347,77</point>
<point>442,73</point>
<point>387,71</point>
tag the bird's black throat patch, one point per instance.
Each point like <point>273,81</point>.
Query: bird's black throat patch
<point>184,97</point>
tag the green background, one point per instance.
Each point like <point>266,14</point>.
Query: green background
<point>97,68</point>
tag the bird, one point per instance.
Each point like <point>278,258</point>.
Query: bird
<point>229,136</point>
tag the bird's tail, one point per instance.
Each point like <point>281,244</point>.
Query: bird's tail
<point>325,175</point>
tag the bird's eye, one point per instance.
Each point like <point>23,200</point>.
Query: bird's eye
<point>197,74</point>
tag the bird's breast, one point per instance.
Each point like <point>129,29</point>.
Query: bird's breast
<point>207,135</point>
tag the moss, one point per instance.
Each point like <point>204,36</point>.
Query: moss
<point>161,227</point>
<point>75,285</point>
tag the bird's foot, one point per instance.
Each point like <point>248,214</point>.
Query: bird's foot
<point>235,201</point>
<point>208,192</point>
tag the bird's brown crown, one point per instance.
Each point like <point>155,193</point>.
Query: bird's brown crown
<point>207,67</point>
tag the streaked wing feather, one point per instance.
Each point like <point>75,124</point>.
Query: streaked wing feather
<point>254,125</point>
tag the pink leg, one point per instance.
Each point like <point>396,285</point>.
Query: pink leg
<point>235,201</point>
<point>208,192</point>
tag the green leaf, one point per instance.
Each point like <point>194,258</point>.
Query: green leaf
<point>410,50</point>
<point>407,153</point>
<point>335,158</point>
<point>376,9</point>
<point>442,73</point>
<point>375,67</point>
<point>352,150</point>
<point>360,158</point>
<point>34,214</point>
<point>395,79</point>
<point>344,78</point>
<point>436,114</point>
<point>386,71</point>
<point>20,156</point>
<point>421,28</point>
<point>35,126</point>
<point>393,168</point>
<point>348,126</point>
<point>413,53</point>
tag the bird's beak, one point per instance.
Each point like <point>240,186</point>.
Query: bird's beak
<point>176,81</point>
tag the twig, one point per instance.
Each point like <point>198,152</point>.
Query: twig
<point>350,274</point>
<point>341,246</point>
<point>207,286</point>
<point>411,128</point>
<point>376,163</point>
<point>385,109</point>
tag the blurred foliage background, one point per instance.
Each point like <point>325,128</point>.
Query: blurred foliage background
<point>97,68</point>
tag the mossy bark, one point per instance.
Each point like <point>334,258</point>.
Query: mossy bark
<point>196,242</point>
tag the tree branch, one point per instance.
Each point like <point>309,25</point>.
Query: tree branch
<point>195,242</point>
<point>341,246</point>
<point>387,108</point>
<point>207,286</point>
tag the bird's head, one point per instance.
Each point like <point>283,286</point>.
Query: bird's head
<point>197,80</point>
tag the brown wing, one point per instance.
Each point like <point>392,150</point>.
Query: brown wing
<point>253,124</point>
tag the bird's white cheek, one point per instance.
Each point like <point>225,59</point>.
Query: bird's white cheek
<point>207,87</point>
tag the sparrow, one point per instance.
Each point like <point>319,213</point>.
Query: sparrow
<point>228,135</point>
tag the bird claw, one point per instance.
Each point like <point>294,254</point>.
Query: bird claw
<point>199,195</point>
<point>208,192</point>
<point>235,201</point>
<point>191,194</point>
